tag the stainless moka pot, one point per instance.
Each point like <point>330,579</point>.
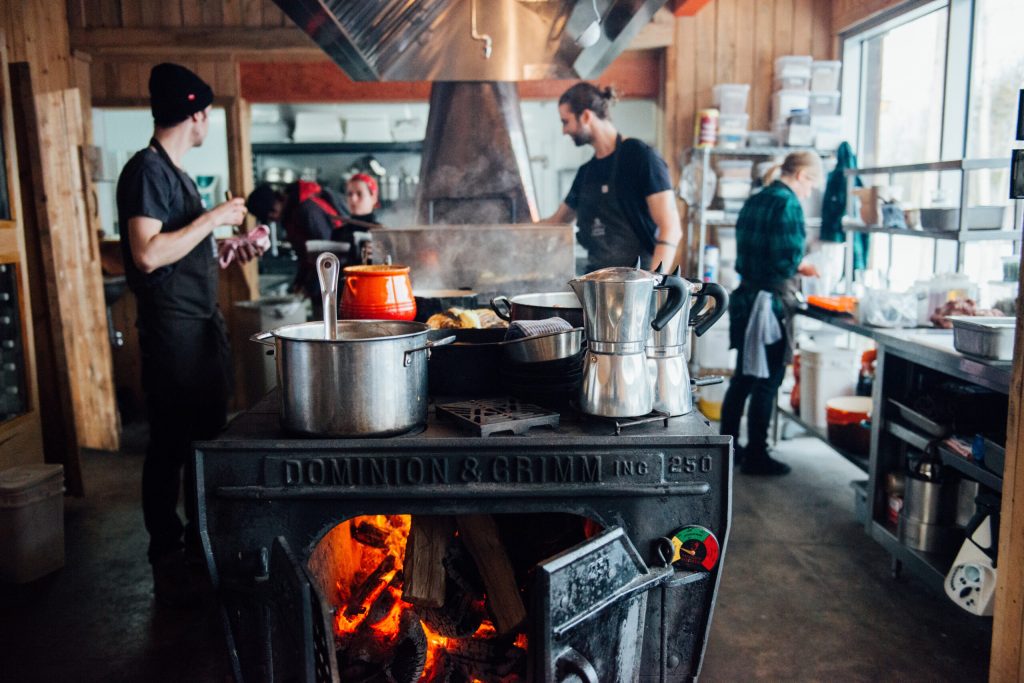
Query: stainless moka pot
<point>668,349</point>
<point>618,319</point>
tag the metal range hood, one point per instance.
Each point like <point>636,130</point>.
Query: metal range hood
<point>471,40</point>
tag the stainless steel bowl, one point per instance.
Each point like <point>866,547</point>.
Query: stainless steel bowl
<point>545,347</point>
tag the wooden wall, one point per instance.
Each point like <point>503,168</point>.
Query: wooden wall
<point>174,13</point>
<point>737,41</point>
<point>38,35</point>
<point>849,13</point>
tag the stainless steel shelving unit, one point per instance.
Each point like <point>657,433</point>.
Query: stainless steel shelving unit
<point>961,235</point>
<point>697,218</point>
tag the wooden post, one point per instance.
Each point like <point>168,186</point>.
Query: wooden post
<point>60,435</point>
<point>1007,664</point>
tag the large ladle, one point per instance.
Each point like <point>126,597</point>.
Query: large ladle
<point>327,268</point>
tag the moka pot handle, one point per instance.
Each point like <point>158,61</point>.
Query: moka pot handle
<point>677,293</point>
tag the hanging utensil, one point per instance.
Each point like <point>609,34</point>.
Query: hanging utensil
<point>327,268</point>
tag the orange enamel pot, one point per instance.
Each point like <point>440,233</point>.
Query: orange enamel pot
<point>377,292</point>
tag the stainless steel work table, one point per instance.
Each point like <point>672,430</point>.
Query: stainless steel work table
<point>932,350</point>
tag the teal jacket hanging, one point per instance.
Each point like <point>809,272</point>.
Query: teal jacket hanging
<point>834,207</point>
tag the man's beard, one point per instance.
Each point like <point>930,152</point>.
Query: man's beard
<point>582,137</point>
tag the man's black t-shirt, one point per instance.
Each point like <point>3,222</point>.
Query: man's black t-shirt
<point>642,172</point>
<point>150,187</point>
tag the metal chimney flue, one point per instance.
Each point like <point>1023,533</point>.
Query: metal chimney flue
<point>475,166</point>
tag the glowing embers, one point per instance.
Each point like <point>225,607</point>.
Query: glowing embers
<point>436,598</point>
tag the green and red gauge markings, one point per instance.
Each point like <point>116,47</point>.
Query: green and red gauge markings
<point>695,548</point>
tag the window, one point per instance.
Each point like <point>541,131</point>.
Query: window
<point>938,80</point>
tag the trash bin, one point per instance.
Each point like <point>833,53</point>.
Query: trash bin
<point>31,522</point>
<point>259,373</point>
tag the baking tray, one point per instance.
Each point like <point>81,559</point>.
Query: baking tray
<point>926,425</point>
<point>986,337</point>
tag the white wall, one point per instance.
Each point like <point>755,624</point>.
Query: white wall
<point>119,133</point>
<point>554,157</point>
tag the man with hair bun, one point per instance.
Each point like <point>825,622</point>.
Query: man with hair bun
<point>622,199</point>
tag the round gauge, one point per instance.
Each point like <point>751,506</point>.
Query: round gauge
<point>695,548</point>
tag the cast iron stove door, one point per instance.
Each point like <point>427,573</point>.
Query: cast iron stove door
<point>592,600</point>
<point>301,644</point>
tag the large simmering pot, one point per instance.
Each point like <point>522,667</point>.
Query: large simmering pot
<point>541,306</point>
<point>369,381</point>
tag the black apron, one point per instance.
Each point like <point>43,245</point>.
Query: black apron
<point>604,228</point>
<point>186,360</point>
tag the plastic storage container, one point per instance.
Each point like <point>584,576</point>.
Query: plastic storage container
<point>824,374</point>
<point>761,138</point>
<point>734,188</point>
<point>785,102</point>
<point>731,98</point>
<point>824,103</point>
<point>732,130</point>
<point>792,83</point>
<point>825,75</point>
<point>31,522</point>
<point>793,66</point>
<point>735,169</point>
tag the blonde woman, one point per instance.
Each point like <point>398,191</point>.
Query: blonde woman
<point>770,242</point>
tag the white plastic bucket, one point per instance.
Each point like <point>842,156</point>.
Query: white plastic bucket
<point>825,373</point>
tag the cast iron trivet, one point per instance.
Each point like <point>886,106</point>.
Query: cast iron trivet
<point>487,416</point>
<point>626,422</point>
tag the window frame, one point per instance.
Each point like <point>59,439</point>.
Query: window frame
<point>956,91</point>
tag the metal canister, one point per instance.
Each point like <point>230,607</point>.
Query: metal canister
<point>705,129</point>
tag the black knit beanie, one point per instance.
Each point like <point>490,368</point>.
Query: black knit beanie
<point>175,93</point>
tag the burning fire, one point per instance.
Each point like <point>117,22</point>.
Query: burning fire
<point>372,564</point>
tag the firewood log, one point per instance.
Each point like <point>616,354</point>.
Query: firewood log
<point>480,535</point>
<point>357,603</point>
<point>424,555</point>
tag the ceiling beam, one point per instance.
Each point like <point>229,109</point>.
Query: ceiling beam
<point>193,41</point>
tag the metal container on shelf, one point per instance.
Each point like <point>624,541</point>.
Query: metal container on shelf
<point>927,520</point>
<point>990,338</point>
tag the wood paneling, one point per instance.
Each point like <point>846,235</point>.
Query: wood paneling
<point>21,439</point>
<point>737,41</point>
<point>70,257</point>
<point>1007,662</point>
<point>37,33</point>
<point>57,410</point>
<point>849,13</point>
<point>125,82</point>
<point>635,74</point>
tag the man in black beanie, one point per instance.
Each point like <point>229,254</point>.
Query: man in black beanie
<point>170,259</point>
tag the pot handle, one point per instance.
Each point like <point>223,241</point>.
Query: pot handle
<point>702,322</point>
<point>676,298</point>
<point>265,338</point>
<point>426,347</point>
<point>502,306</point>
<point>706,381</point>
<point>327,267</point>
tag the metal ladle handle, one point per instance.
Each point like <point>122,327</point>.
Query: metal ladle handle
<point>327,267</point>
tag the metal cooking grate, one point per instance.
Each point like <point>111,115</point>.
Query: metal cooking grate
<point>490,416</point>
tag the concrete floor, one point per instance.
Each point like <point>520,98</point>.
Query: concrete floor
<point>805,594</point>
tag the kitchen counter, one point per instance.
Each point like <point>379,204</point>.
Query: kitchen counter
<point>934,348</point>
<point>927,346</point>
